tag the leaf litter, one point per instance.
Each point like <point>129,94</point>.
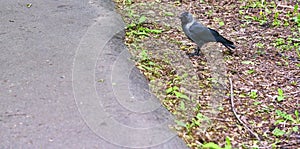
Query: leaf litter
<point>264,67</point>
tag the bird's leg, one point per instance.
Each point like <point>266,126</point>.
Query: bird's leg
<point>230,52</point>
<point>196,53</point>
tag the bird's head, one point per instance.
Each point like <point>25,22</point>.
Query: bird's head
<point>186,17</point>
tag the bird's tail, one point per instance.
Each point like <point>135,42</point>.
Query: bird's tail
<point>227,43</point>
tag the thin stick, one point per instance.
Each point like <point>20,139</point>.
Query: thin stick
<point>190,7</point>
<point>245,80</point>
<point>289,124</point>
<point>235,114</point>
<point>292,93</point>
<point>285,6</point>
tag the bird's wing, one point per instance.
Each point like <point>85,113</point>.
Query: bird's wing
<point>201,33</point>
<point>219,37</point>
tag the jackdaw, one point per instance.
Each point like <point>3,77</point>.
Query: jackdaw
<point>200,34</point>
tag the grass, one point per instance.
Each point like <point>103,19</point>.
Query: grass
<point>264,68</point>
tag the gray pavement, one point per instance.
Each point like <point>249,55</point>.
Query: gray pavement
<point>67,81</point>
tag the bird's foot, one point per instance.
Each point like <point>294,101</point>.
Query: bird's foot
<point>229,52</point>
<point>194,54</point>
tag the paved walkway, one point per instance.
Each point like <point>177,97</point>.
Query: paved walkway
<point>67,81</point>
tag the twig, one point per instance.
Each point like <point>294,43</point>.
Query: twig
<point>291,144</point>
<point>285,6</point>
<point>292,93</point>
<point>235,114</point>
<point>245,79</point>
<point>190,7</point>
<point>269,146</point>
<point>289,124</point>
<point>220,119</point>
<point>294,39</point>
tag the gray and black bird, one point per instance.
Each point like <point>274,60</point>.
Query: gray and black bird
<point>201,34</point>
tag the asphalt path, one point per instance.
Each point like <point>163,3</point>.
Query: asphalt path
<point>67,80</point>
